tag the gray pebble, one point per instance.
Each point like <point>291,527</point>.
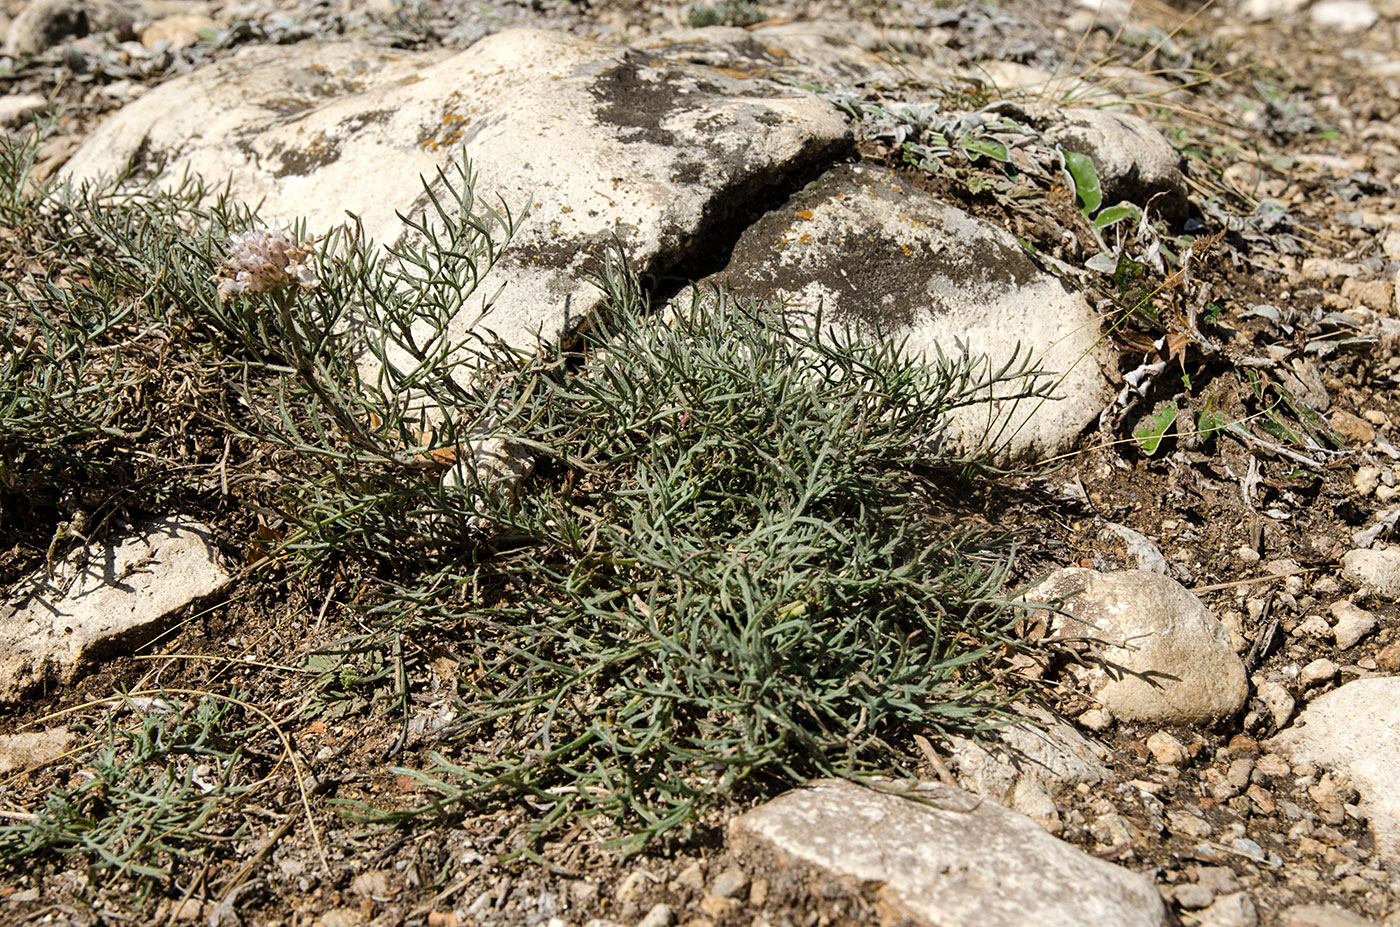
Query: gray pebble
<point>659,916</point>
<point>730,882</point>
<point>1193,896</point>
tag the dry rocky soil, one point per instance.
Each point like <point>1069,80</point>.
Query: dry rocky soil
<point>1216,743</point>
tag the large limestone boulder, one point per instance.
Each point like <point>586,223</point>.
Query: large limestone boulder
<point>1356,730</point>
<point>1152,651</point>
<point>865,246</point>
<point>104,597</point>
<point>606,143</point>
<point>942,858</point>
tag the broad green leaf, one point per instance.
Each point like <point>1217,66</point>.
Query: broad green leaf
<point>1209,421</point>
<point>1116,214</point>
<point>1086,181</point>
<point>1105,262</point>
<point>976,185</point>
<point>986,146</point>
<point>1149,434</point>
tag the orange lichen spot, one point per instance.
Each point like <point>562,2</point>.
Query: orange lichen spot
<point>805,238</point>
<point>741,74</point>
<point>804,214</point>
<point>450,132</point>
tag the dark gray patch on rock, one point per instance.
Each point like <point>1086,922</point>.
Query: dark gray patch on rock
<point>688,172</point>
<point>869,246</point>
<point>324,148</point>
<point>883,281</point>
<point>302,160</point>
<point>638,94</point>
<point>287,106</point>
<point>358,121</point>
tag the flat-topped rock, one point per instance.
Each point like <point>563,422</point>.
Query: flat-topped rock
<point>943,858</point>
<point>105,597</point>
<point>605,144</point>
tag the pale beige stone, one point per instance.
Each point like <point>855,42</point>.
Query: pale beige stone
<point>32,748</point>
<point>1156,653</point>
<point>181,30</point>
<point>1166,749</point>
<point>949,859</point>
<point>104,597</point>
<point>1374,572</point>
<point>1352,731</point>
<point>1353,623</point>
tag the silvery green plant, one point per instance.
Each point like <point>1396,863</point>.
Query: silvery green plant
<point>94,366</point>
<point>154,790</point>
<point>736,565</point>
<point>158,327</point>
<point>723,13</point>
<point>734,569</point>
<point>371,389</point>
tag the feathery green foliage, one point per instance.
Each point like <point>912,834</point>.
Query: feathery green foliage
<point>732,571</point>
<point>735,565</point>
<point>148,792</point>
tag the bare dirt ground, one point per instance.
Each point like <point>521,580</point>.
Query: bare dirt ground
<point>1297,116</point>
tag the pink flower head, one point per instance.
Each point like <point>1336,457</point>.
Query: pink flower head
<point>265,259</point>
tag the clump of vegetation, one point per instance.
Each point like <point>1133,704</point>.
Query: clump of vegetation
<point>735,565</point>
<point>723,13</point>
<point>99,383</point>
<point>146,799</point>
<point>733,571</point>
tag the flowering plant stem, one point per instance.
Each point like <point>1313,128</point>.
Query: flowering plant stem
<point>306,370</point>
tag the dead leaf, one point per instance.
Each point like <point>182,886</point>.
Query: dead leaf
<point>268,536</point>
